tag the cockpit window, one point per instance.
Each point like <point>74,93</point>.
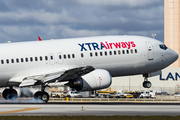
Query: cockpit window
<point>163,46</point>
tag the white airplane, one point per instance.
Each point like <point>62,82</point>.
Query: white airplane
<point>82,63</point>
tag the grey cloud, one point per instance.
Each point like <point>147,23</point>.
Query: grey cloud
<point>54,6</point>
<point>25,20</point>
<point>3,6</point>
<point>122,3</point>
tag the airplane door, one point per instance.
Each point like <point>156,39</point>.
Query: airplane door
<point>150,51</point>
<point>51,59</point>
<point>60,58</point>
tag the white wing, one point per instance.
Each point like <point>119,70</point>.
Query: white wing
<point>65,75</point>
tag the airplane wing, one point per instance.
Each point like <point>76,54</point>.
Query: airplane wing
<point>60,76</point>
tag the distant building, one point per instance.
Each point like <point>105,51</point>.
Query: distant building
<point>172,26</point>
<point>168,81</point>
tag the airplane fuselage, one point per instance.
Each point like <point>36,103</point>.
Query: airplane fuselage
<point>119,55</point>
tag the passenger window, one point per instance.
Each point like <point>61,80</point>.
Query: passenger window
<point>22,60</point>
<point>110,52</point>
<point>105,53</point>
<point>91,54</point>
<point>123,51</point>
<point>64,56</point>
<point>7,61</point>
<point>51,57</point>
<point>135,50</point>
<point>96,54</point>
<point>59,56</point>
<point>36,59</point>
<point>131,51</point>
<point>119,52</point>
<point>31,59</point>
<point>127,51</point>
<point>69,56</point>
<point>82,55</point>
<point>17,60</point>
<point>46,58</point>
<point>73,56</point>
<point>26,59</point>
<point>114,52</point>
<point>40,58</point>
<point>101,53</point>
<point>12,60</point>
<point>2,61</point>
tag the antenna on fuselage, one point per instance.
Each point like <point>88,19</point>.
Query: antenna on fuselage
<point>153,35</point>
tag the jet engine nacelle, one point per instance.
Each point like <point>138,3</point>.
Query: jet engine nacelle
<point>97,79</point>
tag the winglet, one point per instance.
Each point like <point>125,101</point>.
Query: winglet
<point>39,38</point>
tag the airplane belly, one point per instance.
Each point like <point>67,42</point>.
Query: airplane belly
<point>114,69</point>
<point>117,70</point>
<point>135,65</point>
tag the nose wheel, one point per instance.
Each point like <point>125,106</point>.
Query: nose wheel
<point>146,83</point>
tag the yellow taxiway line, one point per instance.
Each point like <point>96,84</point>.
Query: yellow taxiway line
<point>21,110</point>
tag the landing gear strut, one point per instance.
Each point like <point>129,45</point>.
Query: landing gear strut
<point>9,94</point>
<point>146,83</point>
<point>42,95</point>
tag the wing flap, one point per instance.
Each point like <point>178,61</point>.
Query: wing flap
<point>29,82</point>
<point>51,77</point>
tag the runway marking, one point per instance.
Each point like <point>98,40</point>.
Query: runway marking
<point>21,110</point>
<point>82,101</point>
<point>139,102</point>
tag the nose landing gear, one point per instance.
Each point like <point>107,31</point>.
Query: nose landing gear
<point>146,83</point>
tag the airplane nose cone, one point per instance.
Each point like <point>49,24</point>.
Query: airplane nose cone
<point>172,55</point>
<point>175,56</point>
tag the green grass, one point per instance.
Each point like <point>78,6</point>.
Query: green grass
<point>89,117</point>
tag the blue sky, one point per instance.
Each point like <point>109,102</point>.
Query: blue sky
<point>22,20</point>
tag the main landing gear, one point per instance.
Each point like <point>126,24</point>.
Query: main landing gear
<point>42,95</point>
<point>146,83</point>
<point>9,94</point>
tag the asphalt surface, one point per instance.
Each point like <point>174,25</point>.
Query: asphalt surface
<point>91,108</point>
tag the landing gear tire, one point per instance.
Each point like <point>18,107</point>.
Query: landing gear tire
<point>147,84</point>
<point>9,94</point>
<point>44,96</point>
<point>37,95</point>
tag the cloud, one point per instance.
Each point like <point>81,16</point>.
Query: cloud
<point>128,3</point>
<point>25,20</point>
